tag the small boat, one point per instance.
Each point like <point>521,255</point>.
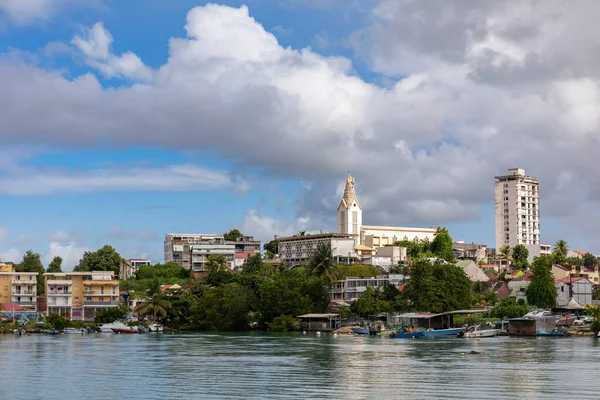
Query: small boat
<point>360,331</point>
<point>443,332</point>
<point>52,332</point>
<point>75,330</point>
<point>476,333</point>
<point>555,332</point>
<point>155,328</point>
<point>126,331</point>
<point>108,328</point>
<point>407,335</point>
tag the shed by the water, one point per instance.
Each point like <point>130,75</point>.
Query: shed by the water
<point>319,322</point>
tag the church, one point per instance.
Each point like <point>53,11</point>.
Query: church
<point>370,237</point>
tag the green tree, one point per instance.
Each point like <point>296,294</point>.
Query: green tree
<point>321,263</point>
<point>416,249</point>
<point>595,313</point>
<point>57,322</point>
<point>233,235</point>
<point>519,255</point>
<point>158,305</point>
<point>224,308</point>
<point>272,246</point>
<point>441,246</point>
<point>216,262</point>
<point>437,287</point>
<point>163,272</point>
<point>32,263</point>
<point>370,303</point>
<point>560,251</point>
<point>103,259</point>
<point>509,308</point>
<point>541,292</point>
<point>110,314</point>
<point>589,260</point>
<point>55,264</point>
<point>300,233</point>
<point>574,261</point>
<point>505,252</point>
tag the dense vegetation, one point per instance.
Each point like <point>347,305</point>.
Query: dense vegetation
<point>440,247</point>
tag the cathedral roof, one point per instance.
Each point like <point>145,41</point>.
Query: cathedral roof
<point>349,197</point>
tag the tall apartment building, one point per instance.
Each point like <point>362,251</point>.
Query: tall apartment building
<point>517,210</point>
<point>17,287</point>
<point>78,296</point>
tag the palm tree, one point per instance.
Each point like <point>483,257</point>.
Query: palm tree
<point>505,251</point>
<point>157,305</point>
<point>561,247</point>
<point>300,233</point>
<point>321,263</point>
<point>216,263</point>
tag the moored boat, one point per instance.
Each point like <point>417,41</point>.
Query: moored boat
<point>551,333</point>
<point>442,332</point>
<point>130,330</point>
<point>52,332</point>
<point>407,335</point>
<point>360,331</point>
<point>476,333</point>
<point>108,328</point>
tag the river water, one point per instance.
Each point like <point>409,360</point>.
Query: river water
<point>261,365</point>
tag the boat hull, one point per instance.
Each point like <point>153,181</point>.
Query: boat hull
<point>408,335</point>
<point>126,331</point>
<point>443,332</point>
<point>481,334</point>
<point>360,331</point>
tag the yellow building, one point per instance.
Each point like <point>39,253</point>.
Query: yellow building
<point>17,287</point>
<point>80,295</point>
<point>564,271</point>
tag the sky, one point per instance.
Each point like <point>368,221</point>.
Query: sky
<point>122,121</point>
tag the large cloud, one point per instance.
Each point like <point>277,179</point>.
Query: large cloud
<point>484,87</point>
<point>26,11</point>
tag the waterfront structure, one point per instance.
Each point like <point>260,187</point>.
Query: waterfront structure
<point>297,250</point>
<point>19,288</point>
<point>78,296</point>
<point>350,222</point>
<point>129,266</point>
<point>517,211</point>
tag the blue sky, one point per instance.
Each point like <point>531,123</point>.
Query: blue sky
<point>122,123</point>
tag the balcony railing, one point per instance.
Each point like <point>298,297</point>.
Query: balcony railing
<point>59,293</point>
<point>92,293</point>
<point>67,304</point>
<point>24,303</point>
<point>27,293</point>
<point>23,282</point>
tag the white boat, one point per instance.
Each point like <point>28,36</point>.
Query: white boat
<point>155,328</point>
<point>476,333</point>
<point>75,330</point>
<point>108,328</point>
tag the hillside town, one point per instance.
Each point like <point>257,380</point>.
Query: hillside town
<point>358,274</point>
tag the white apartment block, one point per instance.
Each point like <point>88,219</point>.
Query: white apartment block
<point>517,210</point>
<point>297,250</point>
<point>191,251</point>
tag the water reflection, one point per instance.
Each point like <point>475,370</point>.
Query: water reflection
<point>259,365</point>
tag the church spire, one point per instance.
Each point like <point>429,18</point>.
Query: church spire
<point>349,197</point>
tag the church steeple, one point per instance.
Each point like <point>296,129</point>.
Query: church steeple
<point>349,211</point>
<point>349,199</point>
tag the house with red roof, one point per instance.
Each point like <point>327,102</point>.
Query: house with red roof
<point>578,288</point>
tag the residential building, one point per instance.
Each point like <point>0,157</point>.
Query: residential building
<point>517,211</point>
<point>190,251</point>
<point>576,253</point>
<point>473,271</point>
<point>18,288</point>
<point>338,290</point>
<point>350,222</point>
<point>384,257</point>
<point>245,244</point>
<point>129,266</point>
<point>355,286</point>
<point>564,271</point>
<point>297,250</point>
<point>578,288</point>
<point>80,295</point>
<point>470,251</point>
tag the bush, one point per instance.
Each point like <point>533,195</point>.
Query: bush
<point>283,323</point>
<point>57,322</point>
<point>509,308</point>
<point>111,315</point>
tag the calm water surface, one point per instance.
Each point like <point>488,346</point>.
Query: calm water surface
<point>204,366</point>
